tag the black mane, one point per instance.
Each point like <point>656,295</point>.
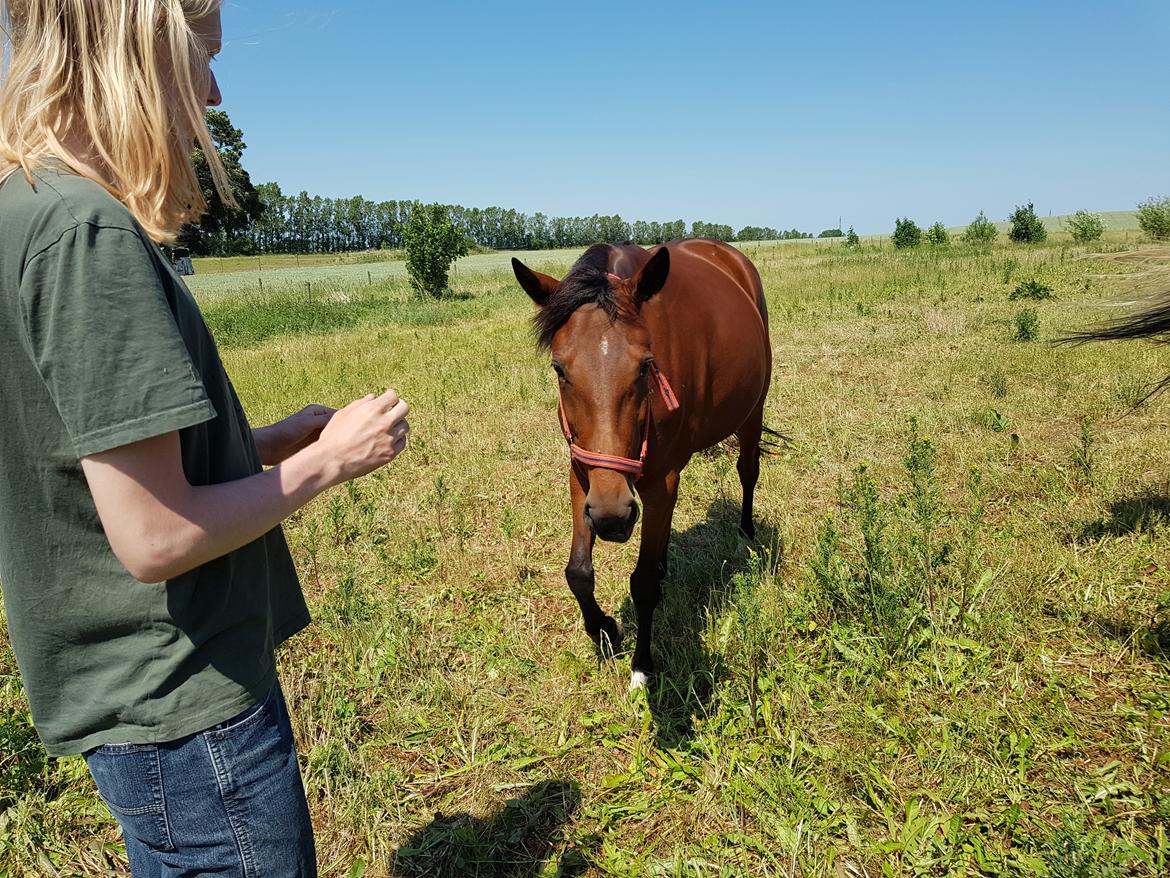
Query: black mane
<point>585,284</point>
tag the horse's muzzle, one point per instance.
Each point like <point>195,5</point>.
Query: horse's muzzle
<point>612,528</point>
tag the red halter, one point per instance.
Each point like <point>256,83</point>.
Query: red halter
<point>627,465</point>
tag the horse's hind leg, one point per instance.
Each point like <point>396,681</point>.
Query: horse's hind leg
<point>749,466</point>
<point>602,629</point>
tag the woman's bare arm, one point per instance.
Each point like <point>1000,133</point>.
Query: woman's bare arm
<point>159,526</point>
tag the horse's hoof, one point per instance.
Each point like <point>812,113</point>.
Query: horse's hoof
<point>638,681</point>
<point>747,531</point>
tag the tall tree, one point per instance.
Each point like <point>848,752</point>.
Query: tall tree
<point>222,230</point>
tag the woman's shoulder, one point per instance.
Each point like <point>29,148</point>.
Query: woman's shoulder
<point>54,202</point>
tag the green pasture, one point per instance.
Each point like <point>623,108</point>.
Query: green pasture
<point>948,654</point>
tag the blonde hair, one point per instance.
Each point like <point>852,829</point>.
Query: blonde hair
<point>115,89</point>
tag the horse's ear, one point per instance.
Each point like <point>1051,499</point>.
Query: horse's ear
<point>652,277</point>
<point>538,286</point>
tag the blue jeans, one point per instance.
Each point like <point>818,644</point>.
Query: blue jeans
<point>227,801</point>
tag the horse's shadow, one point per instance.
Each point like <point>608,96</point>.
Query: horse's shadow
<point>515,842</point>
<point>1141,513</point>
<point>1149,636</point>
<point>1145,513</point>
<point>703,561</point>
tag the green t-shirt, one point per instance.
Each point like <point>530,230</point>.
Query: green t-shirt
<point>102,345</point>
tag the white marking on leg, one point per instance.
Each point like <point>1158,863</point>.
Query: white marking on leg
<point>638,680</point>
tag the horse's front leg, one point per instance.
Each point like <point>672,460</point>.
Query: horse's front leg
<point>658,499</point>
<point>603,629</point>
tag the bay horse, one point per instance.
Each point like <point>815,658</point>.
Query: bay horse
<point>658,354</point>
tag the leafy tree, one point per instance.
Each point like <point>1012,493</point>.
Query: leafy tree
<point>851,239</point>
<point>831,233</point>
<point>1154,217</point>
<point>757,233</point>
<point>1026,226</point>
<point>906,234</point>
<point>432,243</point>
<point>715,231</point>
<point>980,230</point>
<point>1086,227</point>
<point>938,234</point>
<point>220,231</point>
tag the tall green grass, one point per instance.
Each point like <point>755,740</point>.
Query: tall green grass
<point>946,654</point>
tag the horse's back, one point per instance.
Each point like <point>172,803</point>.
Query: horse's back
<point>730,261</point>
<point>709,324</point>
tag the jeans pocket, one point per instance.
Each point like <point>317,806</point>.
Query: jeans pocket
<point>242,722</point>
<point>129,779</point>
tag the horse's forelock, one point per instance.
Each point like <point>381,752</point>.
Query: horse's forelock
<point>587,283</point>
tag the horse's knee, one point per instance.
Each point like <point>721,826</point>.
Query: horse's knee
<point>580,578</point>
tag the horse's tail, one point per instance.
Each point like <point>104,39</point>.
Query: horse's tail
<point>1152,322</point>
<point>772,442</point>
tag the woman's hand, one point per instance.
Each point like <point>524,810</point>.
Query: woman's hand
<point>283,439</point>
<point>365,435</point>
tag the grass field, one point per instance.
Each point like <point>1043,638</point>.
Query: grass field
<point>948,653</point>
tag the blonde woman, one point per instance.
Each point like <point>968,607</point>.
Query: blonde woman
<point>145,576</point>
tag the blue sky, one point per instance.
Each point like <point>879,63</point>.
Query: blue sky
<point>779,114</point>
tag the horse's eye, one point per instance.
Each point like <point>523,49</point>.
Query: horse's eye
<point>560,370</point>
<point>646,364</point>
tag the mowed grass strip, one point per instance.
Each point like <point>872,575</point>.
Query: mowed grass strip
<point>946,655</point>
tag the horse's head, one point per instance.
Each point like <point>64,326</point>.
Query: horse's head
<point>591,324</point>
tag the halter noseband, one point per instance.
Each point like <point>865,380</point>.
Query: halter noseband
<point>627,465</point>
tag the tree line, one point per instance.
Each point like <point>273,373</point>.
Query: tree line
<point>305,223</point>
<point>269,221</point>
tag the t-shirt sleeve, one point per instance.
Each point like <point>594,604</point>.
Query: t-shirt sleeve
<point>105,341</point>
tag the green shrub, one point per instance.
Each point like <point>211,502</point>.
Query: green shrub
<point>851,239</point>
<point>1026,226</point>
<point>831,233</point>
<point>1085,227</point>
<point>980,230</point>
<point>894,572</point>
<point>906,234</point>
<point>938,234</point>
<point>432,243</point>
<point>1032,289</point>
<point>1154,217</point>
<point>1027,325</point>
